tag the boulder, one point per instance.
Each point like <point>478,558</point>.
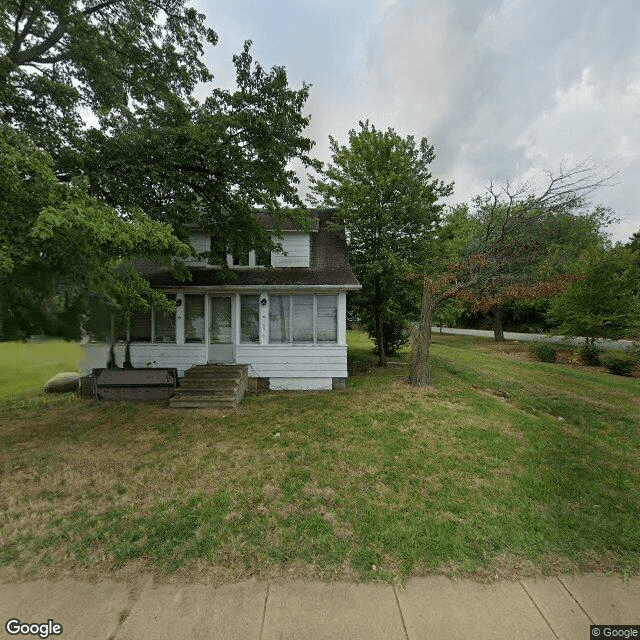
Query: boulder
<point>62,382</point>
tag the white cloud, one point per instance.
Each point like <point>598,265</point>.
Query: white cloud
<point>502,88</point>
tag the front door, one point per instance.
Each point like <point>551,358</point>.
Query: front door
<point>221,329</point>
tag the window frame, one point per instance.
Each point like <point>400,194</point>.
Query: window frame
<point>204,316</point>
<point>240,325</point>
<point>315,320</point>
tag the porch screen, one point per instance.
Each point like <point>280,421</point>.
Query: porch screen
<point>302,318</point>
<point>141,326</point>
<point>221,320</point>
<point>327,318</point>
<point>165,324</point>
<point>279,330</point>
<point>249,319</point>
<point>194,318</point>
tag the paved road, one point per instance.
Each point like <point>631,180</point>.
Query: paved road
<point>425,608</point>
<point>536,337</point>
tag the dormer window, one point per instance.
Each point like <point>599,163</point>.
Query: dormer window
<point>240,261</point>
<point>252,259</point>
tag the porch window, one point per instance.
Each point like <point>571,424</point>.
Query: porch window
<point>140,330</point>
<point>303,319</point>
<point>194,318</point>
<point>164,324</point>
<point>327,318</point>
<point>279,319</point>
<point>249,319</point>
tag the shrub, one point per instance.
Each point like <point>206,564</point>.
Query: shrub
<point>620,364</point>
<point>394,331</point>
<point>543,351</point>
<point>590,355</point>
<point>633,349</point>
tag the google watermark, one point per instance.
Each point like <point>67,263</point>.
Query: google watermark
<point>41,629</point>
<point>614,631</point>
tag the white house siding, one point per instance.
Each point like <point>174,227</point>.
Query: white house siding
<point>295,366</point>
<point>178,356</point>
<point>200,242</point>
<point>297,246</point>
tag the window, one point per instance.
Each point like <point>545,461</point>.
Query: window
<point>140,326</point>
<point>164,324</point>
<point>327,318</point>
<point>249,319</point>
<point>279,319</point>
<point>241,261</point>
<point>217,248</point>
<point>194,318</point>
<point>262,259</point>
<point>303,319</point>
<point>251,259</point>
<point>153,326</point>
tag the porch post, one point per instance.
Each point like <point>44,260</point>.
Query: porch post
<point>263,318</point>
<point>342,318</point>
<point>180,315</point>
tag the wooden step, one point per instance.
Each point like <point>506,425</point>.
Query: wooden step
<point>213,392</point>
<point>211,386</point>
<point>197,383</point>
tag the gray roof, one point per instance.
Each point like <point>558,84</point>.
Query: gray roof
<point>329,264</point>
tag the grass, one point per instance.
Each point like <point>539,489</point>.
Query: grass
<point>505,467</point>
<point>27,366</point>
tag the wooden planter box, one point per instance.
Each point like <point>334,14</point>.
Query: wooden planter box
<point>134,384</point>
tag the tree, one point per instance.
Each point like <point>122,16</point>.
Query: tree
<point>108,56</point>
<point>157,160</point>
<point>518,231</point>
<point>605,302</point>
<point>388,201</point>
<point>57,241</point>
<point>211,163</point>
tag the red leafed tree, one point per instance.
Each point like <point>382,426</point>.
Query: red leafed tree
<point>515,250</point>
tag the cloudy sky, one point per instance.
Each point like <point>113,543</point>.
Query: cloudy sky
<point>503,89</point>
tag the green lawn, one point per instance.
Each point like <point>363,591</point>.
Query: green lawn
<point>505,467</point>
<point>27,366</point>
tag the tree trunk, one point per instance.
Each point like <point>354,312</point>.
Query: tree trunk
<point>382,356</point>
<point>496,321</point>
<point>377,316</point>
<point>419,372</point>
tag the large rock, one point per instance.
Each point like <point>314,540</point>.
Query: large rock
<point>62,382</point>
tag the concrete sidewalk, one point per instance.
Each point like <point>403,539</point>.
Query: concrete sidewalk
<point>426,608</point>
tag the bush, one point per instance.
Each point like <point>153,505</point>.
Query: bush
<point>590,355</point>
<point>620,364</point>
<point>543,351</point>
<point>394,332</point>
<point>633,349</point>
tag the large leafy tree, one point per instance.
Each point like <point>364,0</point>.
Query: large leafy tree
<point>58,57</point>
<point>388,201</point>
<point>561,234</point>
<point>153,159</point>
<point>58,242</point>
<point>605,302</point>
<point>513,250</point>
<point>209,163</point>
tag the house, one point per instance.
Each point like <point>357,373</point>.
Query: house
<point>284,315</point>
